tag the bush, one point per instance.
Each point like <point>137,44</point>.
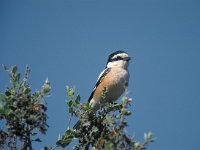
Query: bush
<point>23,116</point>
<point>23,113</point>
<point>105,129</point>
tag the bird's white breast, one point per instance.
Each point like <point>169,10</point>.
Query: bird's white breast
<point>120,79</point>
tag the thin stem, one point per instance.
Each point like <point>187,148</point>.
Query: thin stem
<point>53,148</point>
<point>69,120</point>
<point>15,142</point>
<point>29,143</point>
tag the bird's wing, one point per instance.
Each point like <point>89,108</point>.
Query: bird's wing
<point>99,80</point>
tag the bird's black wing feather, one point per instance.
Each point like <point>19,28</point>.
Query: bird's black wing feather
<point>101,77</point>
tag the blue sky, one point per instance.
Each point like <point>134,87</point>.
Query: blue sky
<point>69,42</point>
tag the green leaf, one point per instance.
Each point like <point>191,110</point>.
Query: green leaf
<point>109,119</point>
<point>70,91</point>
<point>46,88</point>
<point>69,103</point>
<point>66,138</point>
<point>70,109</point>
<point>38,140</point>
<point>3,97</point>
<point>150,135</point>
<point>27,90</point>
<point>87,106</point>
<point>93,148</point>
<point>59,143</point>
<point>69,131</point>
<point>136,145</point>
<point>59,137</point>
<point>33,134</point>
<point>7,111</point>
<point>77,100</point>
<point>118,116</point>
<point>14,69</point>
<point>108,145</point>
<point>124,101</point>
<point>128,113</point>
<point>17,77</point>
<point>36,94</point>
<point>123,111</point>
<point>8,92</point>
<point>1,108</point>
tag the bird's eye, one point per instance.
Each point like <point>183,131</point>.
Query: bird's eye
<point>118,57</point>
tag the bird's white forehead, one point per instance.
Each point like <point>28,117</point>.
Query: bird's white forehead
<point>122,55</point>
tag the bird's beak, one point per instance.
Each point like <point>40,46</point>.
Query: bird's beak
<point>128,59</point>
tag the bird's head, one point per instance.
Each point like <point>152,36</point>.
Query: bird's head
<point>118,59</point>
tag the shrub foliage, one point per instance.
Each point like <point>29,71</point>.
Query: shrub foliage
<point>104,129</point>
<point>23,116</point>
<point>22,112</point>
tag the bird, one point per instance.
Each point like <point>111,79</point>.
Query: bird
<point>114,79</point>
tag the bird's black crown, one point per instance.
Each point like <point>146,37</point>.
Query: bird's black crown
<point>110,58</point>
